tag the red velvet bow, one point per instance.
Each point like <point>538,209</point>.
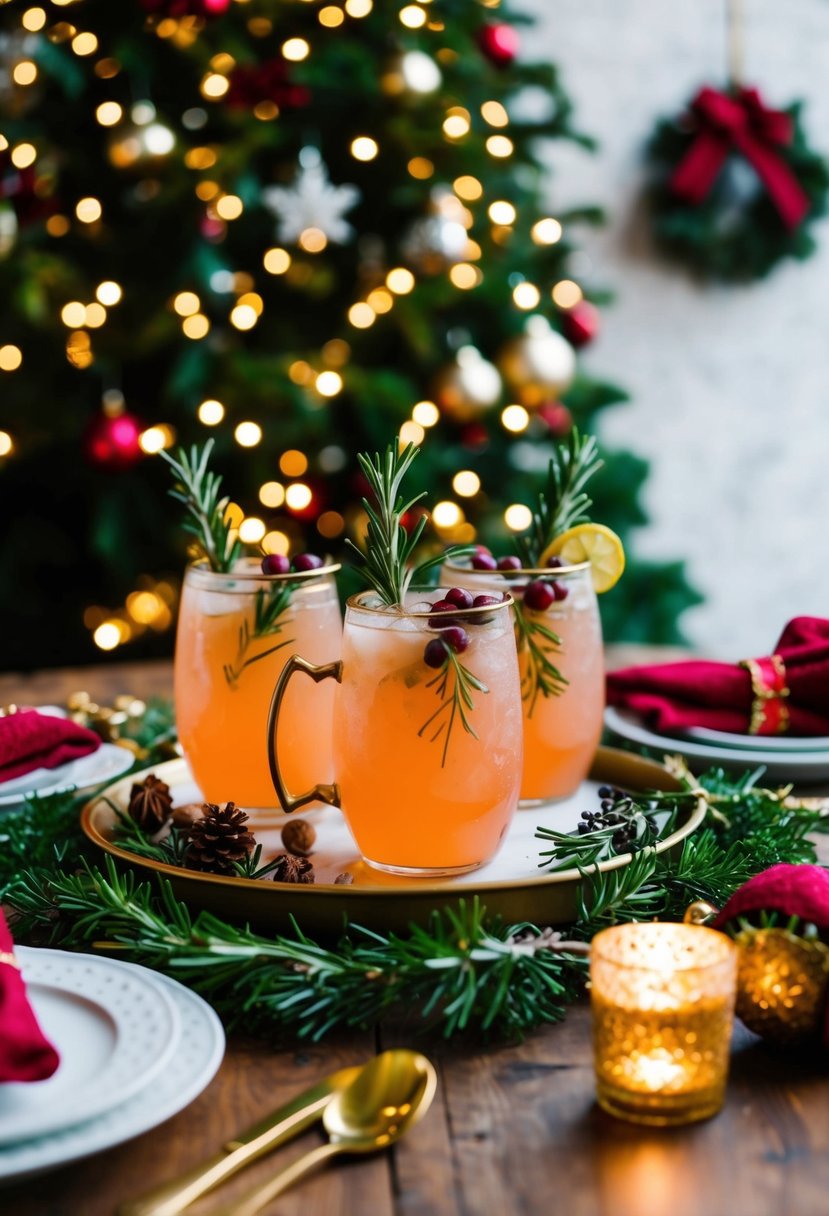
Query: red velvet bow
<point>740,122</point>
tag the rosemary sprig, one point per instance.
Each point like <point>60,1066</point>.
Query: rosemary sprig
<point>454,700</point>
<point>459,973</point>
<point>270,606</point>
<point>386,559</point>
<point>197,488</point>
<point>537,642</point>
<point>565,501</point>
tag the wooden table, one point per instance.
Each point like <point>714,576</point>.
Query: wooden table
<point>514,1129</point>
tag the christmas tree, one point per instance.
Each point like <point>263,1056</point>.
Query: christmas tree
<point>299,227</point>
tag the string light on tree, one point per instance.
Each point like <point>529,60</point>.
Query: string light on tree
<point>211,412</point>
<point>11,357</point>
<point>248,434</point>
<point>413,16</point>
<point>411,432</point>
<point>272,494</point>
<point>515,418</point>
<point>426,413</point>
<point>364,148</point>
<point>6,444</point>
<point>546,231</point>
<point>466,483</point>
<point>518,517</point>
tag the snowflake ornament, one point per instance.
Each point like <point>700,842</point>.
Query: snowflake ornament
<point>312,202</point>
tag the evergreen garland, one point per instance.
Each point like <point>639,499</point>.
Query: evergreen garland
<point>462,972</point>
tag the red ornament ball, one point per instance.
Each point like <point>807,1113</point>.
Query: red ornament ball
<point>499,44</point>
<point>581,324</point>
<point>113,442</point>
<point>558,418</point>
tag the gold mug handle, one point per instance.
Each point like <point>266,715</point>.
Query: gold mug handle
<point>322,793</point>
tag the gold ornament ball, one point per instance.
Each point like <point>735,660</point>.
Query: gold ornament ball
<point>782,982</point>
<point>468,387</point>
<point>700,912</point>
<point>539,365</point>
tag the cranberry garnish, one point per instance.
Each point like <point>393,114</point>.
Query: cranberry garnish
<point>307,561</point>
<point>483,549</point>
<point>456,638</point>
<point>459,597</point>
<point>560,591</point>
<point>538,596</point>
<point>511,562</point>
<point>555,563</point>
<point>441,606</point>
<point>483,561</point>
<point>435,653</point>
<point>485,601</point>
<point>275,563</point>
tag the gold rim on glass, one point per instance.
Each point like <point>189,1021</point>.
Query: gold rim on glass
<point>259,576</point>
<point>353,601</point>
<point>544,572</point>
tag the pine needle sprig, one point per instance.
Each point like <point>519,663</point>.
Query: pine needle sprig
<point>386,559</point>
<point>538,642</point>
<point>198,488</point>
<point>565,502</point>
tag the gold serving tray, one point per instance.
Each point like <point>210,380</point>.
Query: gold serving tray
<point>510,886</point>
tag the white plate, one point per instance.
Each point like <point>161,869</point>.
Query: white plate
<point>762,743</point>
<point>804,767</point>
<point>190,1070</point>
<point>107,763</point>
<point>114,1030</point>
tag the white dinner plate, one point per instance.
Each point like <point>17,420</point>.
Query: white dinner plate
<point>189,1070</point>
<point>761,743</point>
<point>803,767</point>
<point>107,763</point>
<point>114,1030</point>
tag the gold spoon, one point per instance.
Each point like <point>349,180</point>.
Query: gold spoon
<point>391,1093</point>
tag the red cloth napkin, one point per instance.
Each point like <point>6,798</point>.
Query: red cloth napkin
<point>29,740</point>
<point>25,1053</point>
<point>673,696</point>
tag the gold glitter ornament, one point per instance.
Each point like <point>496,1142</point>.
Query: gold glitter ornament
<point>782,983</point>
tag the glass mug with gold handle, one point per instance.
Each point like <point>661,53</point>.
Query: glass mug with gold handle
<point>427,733</point>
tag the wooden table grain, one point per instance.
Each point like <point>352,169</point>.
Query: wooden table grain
<point>514,1130</point>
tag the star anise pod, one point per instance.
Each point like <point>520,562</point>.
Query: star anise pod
<point>150,803</point>
<point>292,869</point>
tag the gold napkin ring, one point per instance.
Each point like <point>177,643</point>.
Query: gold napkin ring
<point>769,712</point>
<point>9,960</point>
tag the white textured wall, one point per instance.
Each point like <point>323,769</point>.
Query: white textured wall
<point>728,384</point>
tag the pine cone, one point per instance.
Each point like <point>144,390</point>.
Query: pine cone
<point>219,840</point>
<point>150,803</point>
<point>293,869</point>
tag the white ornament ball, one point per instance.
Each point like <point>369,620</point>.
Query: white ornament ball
<point>539,364</point>
<point>469,386</point>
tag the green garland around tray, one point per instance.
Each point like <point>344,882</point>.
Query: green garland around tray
<point>464,972</point>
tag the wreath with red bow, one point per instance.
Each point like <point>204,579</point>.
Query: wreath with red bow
<point>736,186</point>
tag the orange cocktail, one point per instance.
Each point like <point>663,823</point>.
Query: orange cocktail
<point>235,634</point>
<point>562,721</point>
<point>427,734</point>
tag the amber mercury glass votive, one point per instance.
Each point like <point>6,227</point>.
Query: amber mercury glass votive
<point>662,997</point>
<point>236,632</point>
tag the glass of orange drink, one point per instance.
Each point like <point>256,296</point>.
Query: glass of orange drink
<point>558,634</point>
<point>427,732</point>
<point>235,633</point>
